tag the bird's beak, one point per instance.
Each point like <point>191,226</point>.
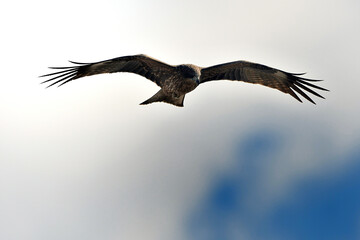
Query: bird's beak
<point>197,80</point>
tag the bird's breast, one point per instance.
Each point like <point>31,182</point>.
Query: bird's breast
<point>179,86</point>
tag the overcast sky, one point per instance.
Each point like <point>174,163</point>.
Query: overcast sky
<point>239,161</point>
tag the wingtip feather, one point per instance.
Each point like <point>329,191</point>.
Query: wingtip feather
<point>298,90</point>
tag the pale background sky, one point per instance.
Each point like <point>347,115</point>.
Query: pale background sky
<point>86,161</point>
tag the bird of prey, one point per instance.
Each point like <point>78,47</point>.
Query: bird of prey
<point>176,81</point>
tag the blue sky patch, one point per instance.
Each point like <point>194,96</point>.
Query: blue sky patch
<point>320,207</point>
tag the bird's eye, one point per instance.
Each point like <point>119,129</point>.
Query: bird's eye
<point>190,74</point>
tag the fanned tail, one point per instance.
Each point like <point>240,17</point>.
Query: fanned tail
<point>160,96</point>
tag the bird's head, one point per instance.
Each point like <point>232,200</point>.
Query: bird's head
<point>190,71</point>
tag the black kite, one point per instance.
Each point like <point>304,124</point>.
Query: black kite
<point>176,81</point>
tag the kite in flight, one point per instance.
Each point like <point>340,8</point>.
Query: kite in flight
<point>177,81</point>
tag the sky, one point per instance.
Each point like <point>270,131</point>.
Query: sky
<point>239,161</point>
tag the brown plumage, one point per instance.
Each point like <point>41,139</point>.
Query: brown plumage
<point>176,81</point>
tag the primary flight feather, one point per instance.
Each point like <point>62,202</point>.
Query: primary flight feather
<point>176,81</point>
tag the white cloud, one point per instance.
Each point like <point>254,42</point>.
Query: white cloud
<point>86,160</point>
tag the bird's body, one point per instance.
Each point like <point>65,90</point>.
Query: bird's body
<point>176,87</point>
<point>176,81</point>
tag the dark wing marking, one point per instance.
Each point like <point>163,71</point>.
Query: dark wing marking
<point>261,74</point>
<point>143,65</point>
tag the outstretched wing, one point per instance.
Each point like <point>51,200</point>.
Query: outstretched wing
<point>143,65</point>
<point>260,74</point>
